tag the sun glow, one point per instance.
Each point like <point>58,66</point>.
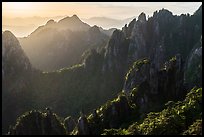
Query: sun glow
<point>19,5</point>
<point>19,9</point>
<point>85,10</point>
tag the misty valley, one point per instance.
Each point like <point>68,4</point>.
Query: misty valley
<point>70,78</point>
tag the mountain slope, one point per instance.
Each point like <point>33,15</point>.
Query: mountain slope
<point>125,114</point>
<point>58,89</point>
<point>71,23</point>
<point>60,44</point>
<point>16,77</point>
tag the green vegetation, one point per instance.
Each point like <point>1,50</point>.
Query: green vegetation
<point>79,87</point>
<point>174,119</point>
<point>136,66</point>
<point>115,132</point>
<point>195,128</point>
<point>38,123</point>
<point>173,59</point>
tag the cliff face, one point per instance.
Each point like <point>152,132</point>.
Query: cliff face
<point>14,60</point>
<point>151,43</point>
<point>151,38</point>
<point>193,68</point>
<point>17,73</point>
<point>116,53</point>
<point>165,83</point>
<point>17,70</point>
<point>159,55</point>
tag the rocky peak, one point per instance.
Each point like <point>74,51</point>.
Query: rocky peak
<point>73,18</point>
<point>127,30</point>
<point>16,67</point>
<point>163,12</point>
<point>7,35</point>
<point>9,42</point>
<point>95,29</point>
<point>38,123</point>
<point>73,23</point>
<point>116,52</point>
<point>165,83</point>
<point>50,22</point>
<point>199,11</point>
<point>64,19</point>
<point>142,17</point>
<point>12,52</point>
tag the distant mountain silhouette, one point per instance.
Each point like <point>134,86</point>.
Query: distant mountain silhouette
<point>107,23</point>
<point>60,44</point>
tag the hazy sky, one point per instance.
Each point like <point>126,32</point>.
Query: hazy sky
<point>117,10</point>
<point>34,14</point>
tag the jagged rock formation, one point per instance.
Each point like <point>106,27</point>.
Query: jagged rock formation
<point>151,38</point>
<point>17,73</point>
<point>110,115</point>
<point>38,123</point>
<point>71,23</point>
<point>181,117</point>
<point>165,83</point>
<point>116,52</point>
<point>14,60</point>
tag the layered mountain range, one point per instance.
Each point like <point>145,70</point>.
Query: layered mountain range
<point>106,22</point>
<point>60,44</point>
<point>143,66</point>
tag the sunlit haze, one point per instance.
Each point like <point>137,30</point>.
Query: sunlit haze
<point>84,10</point>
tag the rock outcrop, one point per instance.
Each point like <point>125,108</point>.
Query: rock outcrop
<point>17,73</point>
<point>14,60</point>
<point>38,123</point>
<point>116,53</point>
<point>165,83</point>
<point>150,38</point>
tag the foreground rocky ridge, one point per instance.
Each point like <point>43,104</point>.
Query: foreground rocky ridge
<point>130,113</point>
